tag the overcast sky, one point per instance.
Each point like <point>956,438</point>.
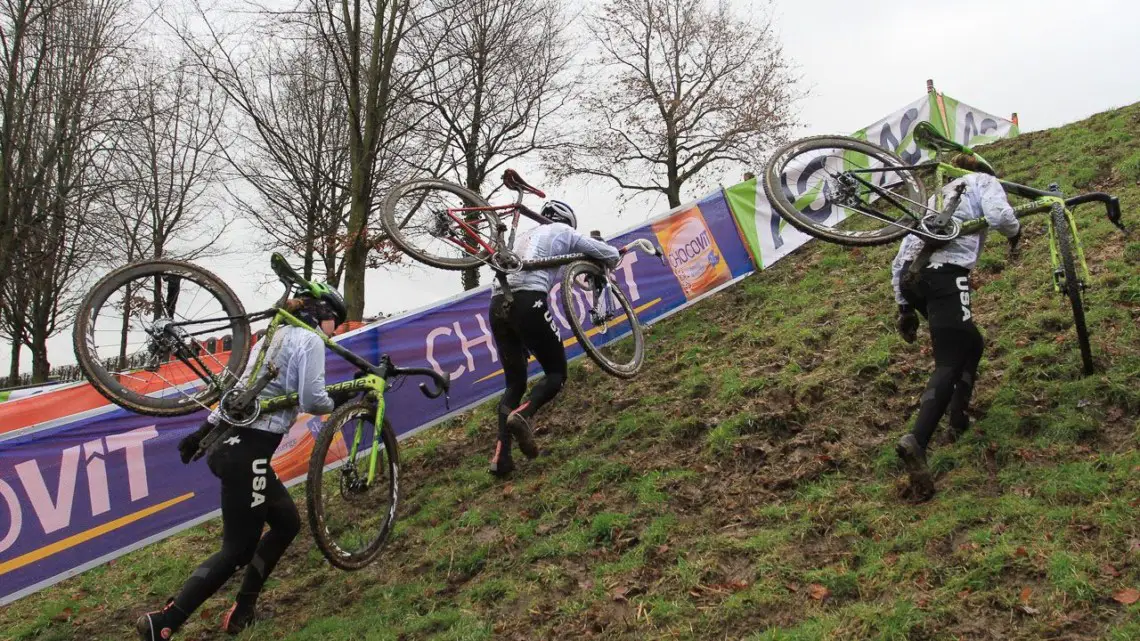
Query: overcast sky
<point>1052,62</point>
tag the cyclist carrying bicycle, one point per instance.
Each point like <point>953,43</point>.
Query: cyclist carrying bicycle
<point>252,495</point>
<point>527,326</point>
<point>934,282</point>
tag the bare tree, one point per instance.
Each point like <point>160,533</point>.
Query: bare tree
<point>297,162</point>
<point>162,200</point>
<point>374,82</point>
<point>500,73</point>
<point>63,60</point>
<point>366,39</point>
<point>684,87</point>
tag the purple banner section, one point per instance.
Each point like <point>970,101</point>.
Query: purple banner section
<point>78,492</point>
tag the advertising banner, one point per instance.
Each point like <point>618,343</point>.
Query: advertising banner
<point>83,481</point>
<point>972,126</point>
<point>770,237</point>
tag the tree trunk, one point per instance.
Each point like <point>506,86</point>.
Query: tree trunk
<point>14,369</point>
<point>125,329</point>
<point>356,258</point>
<point>40,365</point>
<point>474,182</point>
<point>672,168</point>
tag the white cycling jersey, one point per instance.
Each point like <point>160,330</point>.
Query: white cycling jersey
<point>984,197</point>
<point>299,355</point>
<point>555,239</point>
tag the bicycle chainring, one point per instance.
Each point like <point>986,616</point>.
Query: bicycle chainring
<point>506,261</point>
<point>939,232</point>
<point>235,414</point>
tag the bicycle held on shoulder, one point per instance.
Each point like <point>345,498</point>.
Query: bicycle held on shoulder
<point>143,338</point>
<point>448,226</point>
<point>815,183</point>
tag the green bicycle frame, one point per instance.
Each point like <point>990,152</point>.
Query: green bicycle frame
<point>371,384</point>
<point>1036,206</point>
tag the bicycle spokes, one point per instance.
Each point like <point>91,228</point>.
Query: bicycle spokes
<point>441,224</point>
<point>160,333</point>
<point>818,184</point>
<point>356,498</point>
<point>598,311</point>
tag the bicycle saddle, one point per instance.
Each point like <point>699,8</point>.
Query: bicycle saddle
<point>513,181</point>
<point>285,272</point>
<point>927,137</point>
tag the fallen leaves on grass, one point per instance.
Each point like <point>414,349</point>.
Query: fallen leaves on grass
<point>1127,596</point>
<point>818,592</point>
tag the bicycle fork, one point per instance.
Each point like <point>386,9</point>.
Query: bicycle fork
<point>351,480</point>
<point>1059,284</point>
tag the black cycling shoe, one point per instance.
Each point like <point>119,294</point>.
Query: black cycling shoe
<point>519,427</point>
<point>912,454</point>
<point>501,463</point>
<point>959,425</point>
<point>238,618</point>
<point>157,625</point>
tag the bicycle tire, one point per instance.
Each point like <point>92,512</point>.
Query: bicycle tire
<point>1072,288</point>
<point>107,383</point>
<point>392,228</point>
<point>621,370</point>
<point>317,477</point>
<point>774,190</point>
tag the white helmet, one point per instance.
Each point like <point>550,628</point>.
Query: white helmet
<point>559,212</point>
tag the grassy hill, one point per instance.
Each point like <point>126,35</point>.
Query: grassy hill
<point>745,485</point>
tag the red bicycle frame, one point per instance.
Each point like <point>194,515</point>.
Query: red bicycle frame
<point>461,216</point>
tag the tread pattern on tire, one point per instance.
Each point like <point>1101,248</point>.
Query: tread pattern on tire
<point>773,189</point>
<point>637,333</point>
<point>92,366</point>
<point>1072,289</point>
<point>317,478</point>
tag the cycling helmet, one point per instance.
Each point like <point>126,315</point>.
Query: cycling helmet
<point>331,302</point>
<point>559,212</point>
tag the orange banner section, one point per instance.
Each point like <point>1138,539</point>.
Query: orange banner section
<point>49,406</point>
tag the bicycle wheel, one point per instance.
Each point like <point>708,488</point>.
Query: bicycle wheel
<point>600,317</point>
<point>152,337</point>
<point>817,183</point>
<point>420,217</point>
<point>349,516</point>
<point>1073,285</point>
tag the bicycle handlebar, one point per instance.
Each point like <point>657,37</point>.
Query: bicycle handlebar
<point>1111,205</point>
<point>442,381</point>
<point>565,259</point>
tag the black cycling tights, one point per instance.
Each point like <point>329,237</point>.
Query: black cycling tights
<point>252,496</point>
<point>527,328</point>
<point>942,295</point>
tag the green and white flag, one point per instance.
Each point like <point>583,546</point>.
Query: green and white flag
<point>770,238</point>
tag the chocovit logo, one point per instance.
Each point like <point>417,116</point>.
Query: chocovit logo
<point>690,241</point>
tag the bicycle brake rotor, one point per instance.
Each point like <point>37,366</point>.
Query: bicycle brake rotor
<point>350,482</point>
<point>841,189</point>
